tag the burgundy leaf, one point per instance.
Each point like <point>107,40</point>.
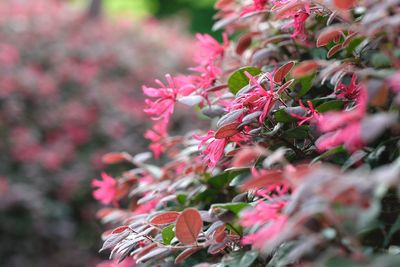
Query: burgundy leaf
<point>305,68</point>
<point>188,226</point>
<point>185,254</point>
<point>165,218</point>
<point>328,35</point>
<point>227,130</point>
<point>283,71</point>
<point>334,50</point>
<point>344,4</point>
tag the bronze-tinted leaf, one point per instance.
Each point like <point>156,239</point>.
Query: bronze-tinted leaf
<point>244,42</point>
<point>220,4</point>
<point>348,39</point>
<point>328,35</point>
<point>119,229</point>
<point>283,71</point>
<point>285,85</point>
<point>305,68</point>
<point>185,254</point>
<point>247,156</point>
<point>227,130</point>
<point>288,9</point>
<point>188,226</point>
<point>114,157</point>
<point>220,234</point>
<point>264,180</point>
<point>165,218</point>
<point>344,4</point>
<point>334,50</point>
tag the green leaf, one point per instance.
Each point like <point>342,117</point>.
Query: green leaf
<point>239,259</point>
<point>300,132</point>
<point>282,116</point>
<point>306,84</point>
<point>394,229</point>
<point>318,53</point>
<point>248,258</point>
<point>330,105</point>
<point>168,234</point>
<point>239,179</point>
<point>233,207</point>
<point>238,79</point>
<point>339,261</point>
<point>220,180</point>
<point>329,153</point>
<point>353,44</point>
<point>181,198</point>
<point>380,60</point>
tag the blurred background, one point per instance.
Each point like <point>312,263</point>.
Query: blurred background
<point>70,91</point>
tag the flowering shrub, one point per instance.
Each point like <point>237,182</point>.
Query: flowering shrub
<point>300,166</point>
<point>67,92</point>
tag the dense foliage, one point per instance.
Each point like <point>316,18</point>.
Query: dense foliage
<point>301,165</point>
<point>67,96</point>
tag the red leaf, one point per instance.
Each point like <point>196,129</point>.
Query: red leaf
<point>227,130</point>
<point>283,71</point>
<point>288,9</point>
<point>104,212</point>
<point>185,254</point>
<point>244,42</point>
<point>305,68</point>
<point>344,4</point>
<point>285,85</point>
<point>222,3</point>
<point>145,250</point>
<point>113,157</point>
<point>334,50</point>
<point>220,234</point>
<point>329,34</point>
<point>165,218</point>
<point>264,180</point>
<point>246,156</point>
<point>348,39</point>
<point>119,229</point>
<point>188,226</point>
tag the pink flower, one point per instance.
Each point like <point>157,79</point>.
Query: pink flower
<point>343,127</point>
<point>394,82</point>
<point>209,49</point>
<point>163,106</point>
<point>299,20</point>
<point>262,212</point>
<point>214,149</point>
<point>258,5</point>
<point>349,92</point>
<point>258,99</point>
<point>299,12</point>
<point>266,233</point>
<point>208,75</point>
<point>349,136</point>
<point>106,189</point>
<point>310,111</point>
<point>147,207</point>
